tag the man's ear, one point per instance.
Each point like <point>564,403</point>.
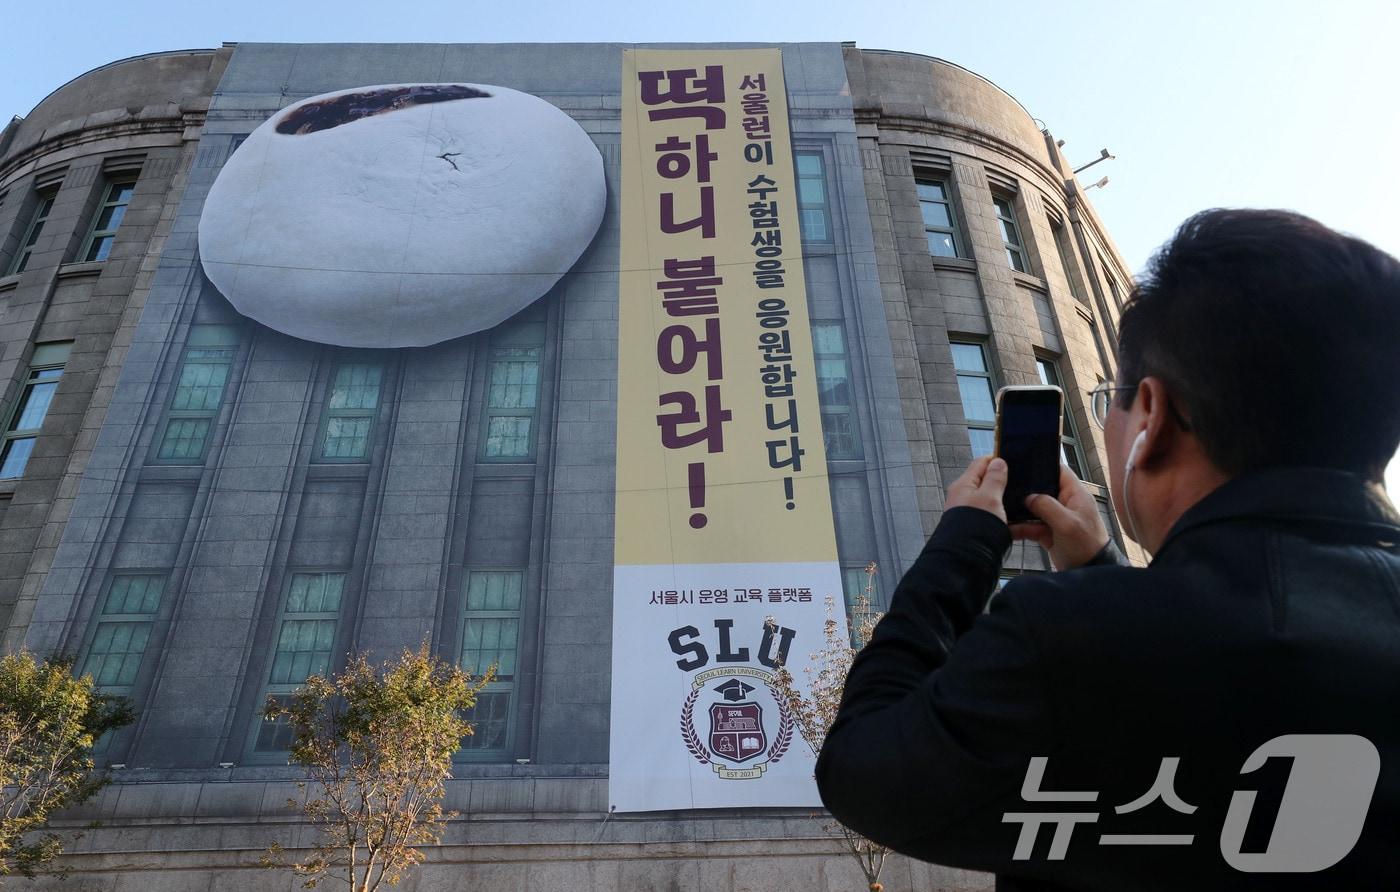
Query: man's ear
<point>1154,403</point>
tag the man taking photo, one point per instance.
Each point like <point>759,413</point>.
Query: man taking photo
<point>1227,717</point>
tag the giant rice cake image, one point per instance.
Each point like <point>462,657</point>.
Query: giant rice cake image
<point>401,215</point>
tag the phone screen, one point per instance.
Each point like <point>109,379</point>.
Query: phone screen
<point>1028,439</point>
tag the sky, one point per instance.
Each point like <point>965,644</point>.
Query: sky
<point>1204,104</point>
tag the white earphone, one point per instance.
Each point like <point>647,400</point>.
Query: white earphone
<point>1127,476</point>
<point>1133,451</point>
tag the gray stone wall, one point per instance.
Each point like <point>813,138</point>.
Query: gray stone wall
<point>923,117</point>
<point>408,524</point>
<point>192,806</point>
<point>137,118</point>
<point>408,533</point>
<point>521,833</point>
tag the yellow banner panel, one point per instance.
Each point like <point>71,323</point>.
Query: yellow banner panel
<point>719,442</point>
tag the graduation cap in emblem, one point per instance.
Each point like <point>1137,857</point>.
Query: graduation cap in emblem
<point>734,690</point>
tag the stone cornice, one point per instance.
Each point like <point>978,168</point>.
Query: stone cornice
<point>39,153</point>
<point>1049,179</point>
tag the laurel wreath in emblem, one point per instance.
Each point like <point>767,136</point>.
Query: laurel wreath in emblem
<point>783,738</point>
<point>688,733</point>
<point>781,741</point>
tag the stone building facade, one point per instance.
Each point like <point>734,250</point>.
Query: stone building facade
<point>201,485</point>
<point>114,144</point>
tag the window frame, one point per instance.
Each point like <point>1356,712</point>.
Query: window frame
<point>104,744</point>
<point>280,690</point>
<point>222,339</point>
<point>105,617</point>
<point>11,434</point>
<point>857,452</point>
<point>1104,505</point>
<point>1105,369</point>
<point>527,334</point>
<point>45,199</point>
<point>1070,444</point>
<point>510,687</point>
<point>1112,281</point>
<point>115,183</point>
<point>944,183</point>
<point>328,412</point>
<point>824,207</point>
<point>856,573</point>
<point>986,373</point>
<point>1006,575</point>
<point>1063,249</point>
<point>1008,224</point>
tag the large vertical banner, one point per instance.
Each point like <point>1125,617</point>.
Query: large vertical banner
<point>723,507</point>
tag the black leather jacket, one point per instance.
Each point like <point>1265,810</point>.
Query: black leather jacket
<point>1272,608</point>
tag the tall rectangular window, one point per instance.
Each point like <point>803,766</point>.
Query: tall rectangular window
<point>940,222</point>
<point>509,429</point>
<point>350,411</point>
<point>108,219</point>
<point>511,402</point>
<point>814,211</point>
<point>1104,364</point>
<point>1069,441</point>
<point>27,417</point>
<point>36,228</point>
<point>198,393</point>
<point>857,584</point>
<point>123,630</point>
<point>303,645</point>
<point>978,396</point>
<point>1062,247</point>
<point>1112,285</point>
<point>1106,515</point>
<point>839,426</point>
<point>491,637</point>
<point>1010,233</point>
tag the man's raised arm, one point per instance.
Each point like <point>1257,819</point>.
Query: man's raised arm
<point>941,713</point>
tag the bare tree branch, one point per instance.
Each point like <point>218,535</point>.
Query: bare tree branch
<point>814,709</point>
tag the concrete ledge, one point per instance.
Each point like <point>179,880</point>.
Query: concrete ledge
<point>1026,280</point>
<point>86,268</point>
<point>739,866</point>
<point>337,470</point>
<point>962,264</point>
<point>184,473</point>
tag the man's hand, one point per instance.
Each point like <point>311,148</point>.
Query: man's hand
<point>980,486</point>
<point>1073,532</point>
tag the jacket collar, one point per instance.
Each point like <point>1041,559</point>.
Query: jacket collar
<point>1344,502</point>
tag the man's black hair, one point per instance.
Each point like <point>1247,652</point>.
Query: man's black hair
<point>1277,337</point>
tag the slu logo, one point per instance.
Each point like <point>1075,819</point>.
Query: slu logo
<point>737,732</point>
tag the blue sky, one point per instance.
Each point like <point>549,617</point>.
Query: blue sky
<point>1248,104</point>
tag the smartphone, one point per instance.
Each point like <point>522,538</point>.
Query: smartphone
<point>1028,439</point>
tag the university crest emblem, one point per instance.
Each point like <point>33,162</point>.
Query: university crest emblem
<point>736,728</point>
<point>737,735</point>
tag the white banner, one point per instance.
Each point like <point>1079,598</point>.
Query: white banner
<point>694,720</point>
